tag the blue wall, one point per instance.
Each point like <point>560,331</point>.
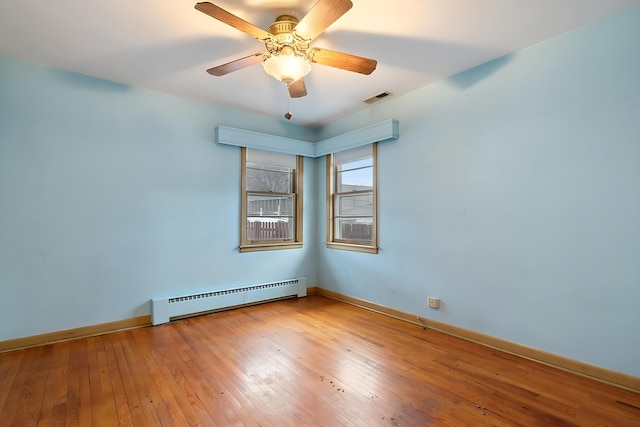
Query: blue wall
<point>513,194</point>
<point>111,195</point>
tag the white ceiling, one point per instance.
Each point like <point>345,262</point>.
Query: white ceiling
<point>166,45</point>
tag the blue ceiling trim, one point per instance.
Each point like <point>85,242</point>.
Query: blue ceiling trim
<point>384,131</point>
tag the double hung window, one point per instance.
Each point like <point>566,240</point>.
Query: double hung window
<point>271,200</point>
<point>352,199</point>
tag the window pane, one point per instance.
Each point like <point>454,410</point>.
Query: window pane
<point>354,180</point>
<point>358,157</point>
<point>264,228</point>
<point>271,158</point>
<point>271,200</point>
<point>269,206</point>
<point>269,180</point>
<point>354,229</point>
<point>351,189</point>
<point>269,217</point>
<point>357,205</point>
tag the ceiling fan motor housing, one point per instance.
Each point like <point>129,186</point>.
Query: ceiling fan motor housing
<point>285,36</point>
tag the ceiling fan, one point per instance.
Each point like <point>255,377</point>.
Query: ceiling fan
<point>287,41</point>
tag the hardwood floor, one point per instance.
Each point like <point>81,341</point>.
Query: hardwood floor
<point>312,361</point>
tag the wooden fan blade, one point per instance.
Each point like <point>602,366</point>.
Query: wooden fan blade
<point>298,89</point>
<point>321,15</point>
<point>344,61</point>
<point>238,64</point>
<point>232,20</point>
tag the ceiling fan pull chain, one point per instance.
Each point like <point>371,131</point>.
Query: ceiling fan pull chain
<point>288,113</point>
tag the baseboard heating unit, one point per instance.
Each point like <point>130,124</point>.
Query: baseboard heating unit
<point>163,309</point>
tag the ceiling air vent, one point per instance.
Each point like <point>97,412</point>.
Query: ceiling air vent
<point>376,98</point>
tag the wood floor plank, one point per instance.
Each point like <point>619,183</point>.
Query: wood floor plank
<point>53,411</point>
<point>387,370</point>
<point>251,385</point>
<point>129,365</point>
<point>119,369</point>
<point>103,403</point>
<point>222,388</point>
<point>265,363</point>
<point>321,375</point>
<point>9,368</point>
<point>181,383</point>
<point>207,390</point>
<point>27,387</point>
<point>311,361</point>
<point>78,396</point>
<point>126,399</point>
<point>169,413</point>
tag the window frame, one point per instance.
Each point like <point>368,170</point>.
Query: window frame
<point>297,186</point>
<point>332,194</point>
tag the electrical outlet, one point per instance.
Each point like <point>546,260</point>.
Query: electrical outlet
<point>433,302</point>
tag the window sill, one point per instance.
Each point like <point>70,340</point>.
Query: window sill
<point>270,247</point>
<point>353,247</point>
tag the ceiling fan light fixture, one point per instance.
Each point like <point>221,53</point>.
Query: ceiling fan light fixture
<point>288,54</point>
<point>287,67</point>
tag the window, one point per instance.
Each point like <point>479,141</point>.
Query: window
<point>352,200</point>
<point>271,200</point>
